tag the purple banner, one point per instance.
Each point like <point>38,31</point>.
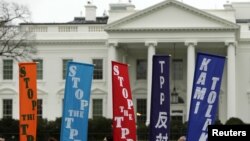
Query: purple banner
<point>160,100</point>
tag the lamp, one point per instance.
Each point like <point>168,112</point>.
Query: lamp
<point>174,94</point>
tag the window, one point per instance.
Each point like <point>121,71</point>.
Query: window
<point>97,108</point>
<point>177,118</point>
<point>39,108</point>
<point>98,69</point>
<point>177,69</point>
<point>39,72</point>
<point>7,108</point>
<point>7,69</point>
<point>141,69</point>
<point>141,109</point>
<point>64,67</point>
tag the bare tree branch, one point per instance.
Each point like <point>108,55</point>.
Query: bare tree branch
<point>14,42</point>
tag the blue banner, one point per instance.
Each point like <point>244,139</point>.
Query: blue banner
<point>205,95</point>
<point>160,100</point>
<point>76,102</point>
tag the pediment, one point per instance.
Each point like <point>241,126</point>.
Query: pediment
<point>139,91</point>
<point>169,15</point>
<point>41,92</point>
<point>60,92</point>
<point>98,91</point>
<point>7,91</point>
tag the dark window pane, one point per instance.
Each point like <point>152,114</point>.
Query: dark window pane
<point>97,108</point>
<point>141,69</point>
<point>7,108</point>
<point>64,67</point>
<point>141,109</point>
<point>39,68</point>
<point>7,69</point>
<point>177,69</point>
<point>40,108</point>
<point>98,69</point>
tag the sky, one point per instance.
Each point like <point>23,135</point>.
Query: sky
<point>47,11</point>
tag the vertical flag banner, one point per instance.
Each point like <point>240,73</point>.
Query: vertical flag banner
<point>27,101</point>
<point>124,128</point>
<point>205,95</point>
<point>160,100</point>
<point>76,102</point>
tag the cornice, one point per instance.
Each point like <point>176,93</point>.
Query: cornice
<point>245,40</point>
<point>66,42</point>
<point>173,29</point>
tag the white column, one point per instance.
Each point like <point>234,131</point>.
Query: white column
<point>151,51</point>
<point>190,72</point>
<point>111,57</point>
<point>231,95</point>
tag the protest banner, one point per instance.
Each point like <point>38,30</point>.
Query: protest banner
<point>205,95</point>
<point>160,100</point>
<point>76,102</point>
<point>27,102</point>
<point>124,128</point>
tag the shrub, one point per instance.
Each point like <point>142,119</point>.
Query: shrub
<point>177,129</point>
<point>217,122</point>
<point>99,128</point>
<point>234,121</point>
<point>9,128</point>
<point>142,131</point>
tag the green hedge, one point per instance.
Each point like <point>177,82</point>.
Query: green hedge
<point>98,128</point>
<point>234,121</point>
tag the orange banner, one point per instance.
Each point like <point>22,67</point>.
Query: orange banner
<point>28,101</point>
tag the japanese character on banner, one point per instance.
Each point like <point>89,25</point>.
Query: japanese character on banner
<point>162,120</point>
<point>162,138</point>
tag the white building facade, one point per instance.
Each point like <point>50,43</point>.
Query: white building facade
<point>133,37</point>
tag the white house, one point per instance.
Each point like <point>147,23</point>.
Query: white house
<point>133,37</point>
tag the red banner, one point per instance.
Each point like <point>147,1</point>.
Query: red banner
<point>28,101</point>
<point>124,128</point>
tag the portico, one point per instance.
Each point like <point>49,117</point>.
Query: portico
<point>154,31</point>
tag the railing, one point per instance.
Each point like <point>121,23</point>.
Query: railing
<point>64,28</point>
<point>38,29</point>
<point>96,28</point>
<point>67,29</point>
